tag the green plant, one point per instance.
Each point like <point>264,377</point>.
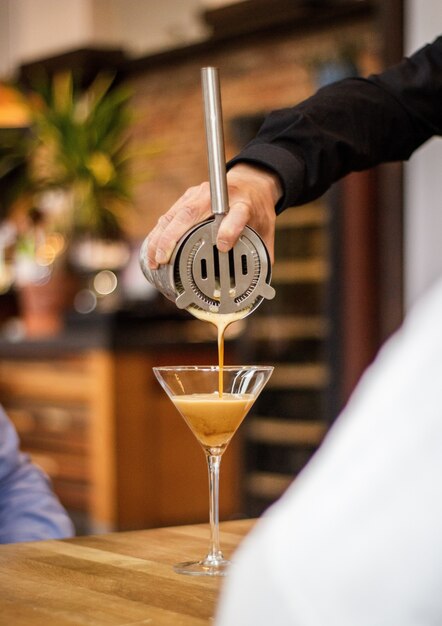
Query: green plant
<point>13,168</point>
<point>78,143</point>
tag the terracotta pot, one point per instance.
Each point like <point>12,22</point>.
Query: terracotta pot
<point>43,306</point>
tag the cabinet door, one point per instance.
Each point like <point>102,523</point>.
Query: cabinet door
<point>48,401</point>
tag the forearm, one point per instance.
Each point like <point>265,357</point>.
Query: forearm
<point>350,126</point>
<point>299,152</point>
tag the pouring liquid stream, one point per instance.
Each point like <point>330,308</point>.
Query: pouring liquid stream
<point>221,321</point>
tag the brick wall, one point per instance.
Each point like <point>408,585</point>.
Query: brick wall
<point>256,75</point>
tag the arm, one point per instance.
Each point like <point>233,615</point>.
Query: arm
<point>351,125</point>
<point>29,510</point>
<point>300,152</point>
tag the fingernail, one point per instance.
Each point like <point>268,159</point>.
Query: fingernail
<point>222,246</point>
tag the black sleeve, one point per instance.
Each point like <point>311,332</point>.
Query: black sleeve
<point>351,125</point>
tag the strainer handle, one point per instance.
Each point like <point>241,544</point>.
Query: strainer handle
<point>215,140</point>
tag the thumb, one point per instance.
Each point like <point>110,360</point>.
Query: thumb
<point>232,226</point>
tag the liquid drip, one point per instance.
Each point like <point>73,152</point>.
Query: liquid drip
<point>221,321</point>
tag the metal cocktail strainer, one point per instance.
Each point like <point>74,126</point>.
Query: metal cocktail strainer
<point>198,275</point>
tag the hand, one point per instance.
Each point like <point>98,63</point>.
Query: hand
<point>253,194</point>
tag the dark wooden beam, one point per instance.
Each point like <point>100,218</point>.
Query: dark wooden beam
<point>84,63</point>
<point>251,20</point>
<point>390,205</point>
<point>391,19</point>
<point>239,18</point>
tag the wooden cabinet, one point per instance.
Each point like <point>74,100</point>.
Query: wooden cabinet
<point>291,332</point>
<point>116,449</point>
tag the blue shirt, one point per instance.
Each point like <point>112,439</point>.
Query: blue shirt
<point>29,510</point>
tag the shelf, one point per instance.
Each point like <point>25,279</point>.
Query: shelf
<point>310,376</point>
<point>272,430</point>
<point>267,485</point>
<point>309,270</point>
<point>306,216</point>
<point>277,327</point>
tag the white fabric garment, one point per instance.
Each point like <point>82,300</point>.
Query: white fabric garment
<point>357,538</point>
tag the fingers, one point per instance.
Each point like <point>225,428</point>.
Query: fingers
<point>240,215</point>
<point>192,208</point>
<point>252,193</point>
<point>171,227</point>
<point>154,237</point>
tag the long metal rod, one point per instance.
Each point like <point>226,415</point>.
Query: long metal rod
<point>215,140</point>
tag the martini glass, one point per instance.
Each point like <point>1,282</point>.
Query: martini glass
<point>213,402</point>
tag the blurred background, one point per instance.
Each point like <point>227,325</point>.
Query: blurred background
<point>101,130</point>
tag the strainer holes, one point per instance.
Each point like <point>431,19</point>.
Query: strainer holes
<point>216,262</point>
<point>244,265</point>
<point>203,269</point>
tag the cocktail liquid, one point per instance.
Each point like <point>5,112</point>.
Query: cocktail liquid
<point>213,418</point>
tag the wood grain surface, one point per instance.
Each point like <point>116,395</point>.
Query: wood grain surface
<point>118,579</point>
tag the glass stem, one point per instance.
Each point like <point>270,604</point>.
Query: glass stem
<point>213,463</point>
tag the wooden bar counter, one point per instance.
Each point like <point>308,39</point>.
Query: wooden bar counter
<point>117,579</point>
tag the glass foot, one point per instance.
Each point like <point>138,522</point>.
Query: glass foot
<point>206,567</point>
